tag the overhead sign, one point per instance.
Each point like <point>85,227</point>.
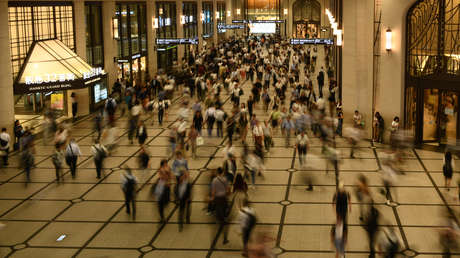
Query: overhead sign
<point>257,21</point>
<point>186,41</point>
<point>312,42</point>
<point>230,26</point>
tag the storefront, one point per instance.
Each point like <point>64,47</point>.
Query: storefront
<point>189,12</point>
<point>221,20</point>
<point>166,13</point>
<point>50,69</point>
<point>95,51</point>
<point>207,18</point>
<point>130,32</point>
<point>433,72</point>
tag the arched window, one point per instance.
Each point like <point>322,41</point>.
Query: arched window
<point>432,81</point>
<point>307,10</point>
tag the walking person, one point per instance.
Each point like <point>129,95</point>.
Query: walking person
<point>339,234</point>
<point>162,188</point>
<point>302,146</point>
<point>5,145</point>
<point>209,117</point>
<point>73,99</point>
<point>71,156</point>
<point>320,79</point>
<point>220,116</point>
<point>372,226</point>
<point>447,169</point>
<point>220,189</point>
<point>99,154</point>
<point>240,190</point>
<point>191,140</point>
<point>141,133</point>
<point>248,222</point>
<point>363,195</point>
<point>129,185</point>
<point>179,168</point>
<point>58,160</point>
<point>185,200</point>
<point>342,203</point>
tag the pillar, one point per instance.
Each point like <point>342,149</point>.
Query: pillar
<point>6,73</point>
<point>228,18</point>
<point>357,61</point>
<point>151,38</point>
<point>215,35</point>
<point>83,95</point>
<point>199,5</point>
<point>180,30</point>
<point>110,45</point>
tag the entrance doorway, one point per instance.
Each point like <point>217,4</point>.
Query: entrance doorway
<point>440,116</point>
<point>305,29</point>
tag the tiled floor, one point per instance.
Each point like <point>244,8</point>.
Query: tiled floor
<point>90,212</point>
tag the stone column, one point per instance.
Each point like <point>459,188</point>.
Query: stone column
<point>6,74</point>
<point>199,5</point>
<point>110,45</point>
<point>151,37</point>
<point>215,35</point>
<point>180,31</point>
<point>228,19</point>
<point>357,61</point>
<point>83,95</point>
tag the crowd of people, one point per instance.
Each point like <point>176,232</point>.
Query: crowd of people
<point>262,78</point>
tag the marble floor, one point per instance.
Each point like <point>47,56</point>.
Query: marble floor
<point>91,215</point>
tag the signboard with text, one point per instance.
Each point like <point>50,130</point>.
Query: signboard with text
<point>185,41</point>
<point>312,42</point>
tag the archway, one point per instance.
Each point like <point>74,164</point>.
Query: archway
<point>432,71</point>
<point>306,18</point>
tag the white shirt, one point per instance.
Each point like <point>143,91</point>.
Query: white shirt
<point>258,131</point>
<point>219,115</point>
<point>302,140</point>
<point>73,149</point>
<point>136,110</point>
<point>6,137</point>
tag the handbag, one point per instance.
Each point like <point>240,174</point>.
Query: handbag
<point>199,141</point>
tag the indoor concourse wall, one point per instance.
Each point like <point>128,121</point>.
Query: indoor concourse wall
<point>357,62</point>
<point>390,93</point>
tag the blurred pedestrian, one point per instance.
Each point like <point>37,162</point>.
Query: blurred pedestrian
<point>248,222</point>
<point>99,154</point>
<point>141,133</point>
<point>5,145</point>
<point>342,203</point>
<point>447,168</point>
<point>220,189</point>
<point>71,156</point>
<point>339,235</point>
<point>129,187</point>
<point>185,199</point>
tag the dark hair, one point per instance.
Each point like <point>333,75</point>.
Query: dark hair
<point>163,162</point>
<point>220,170</point>
<point>3,129</point>
<point>239,182</point>
<point>362,179</point>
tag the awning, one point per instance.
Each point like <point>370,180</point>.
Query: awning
<point>52,66</point>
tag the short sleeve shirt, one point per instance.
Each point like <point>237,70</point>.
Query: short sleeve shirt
<point>219,186</point>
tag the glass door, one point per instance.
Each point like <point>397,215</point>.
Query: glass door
<point>430,115</point>
<point>440,116</point>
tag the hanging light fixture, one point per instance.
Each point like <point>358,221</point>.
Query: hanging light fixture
<point>339,37</point>
<point>229,13</point>
<point>389,36</point>
<point>160,11</point>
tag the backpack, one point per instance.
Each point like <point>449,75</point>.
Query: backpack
<point>3,143</point>
<point>110,106</point>
<point>129,185</point>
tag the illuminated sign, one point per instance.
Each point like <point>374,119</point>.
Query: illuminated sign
<point>230,26</point>
<point>94,72</point>
<point>62,77</point>
<point>312,42</point>
<point>136,56</point>
<point>185,41</point>
<point>257,21</point>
